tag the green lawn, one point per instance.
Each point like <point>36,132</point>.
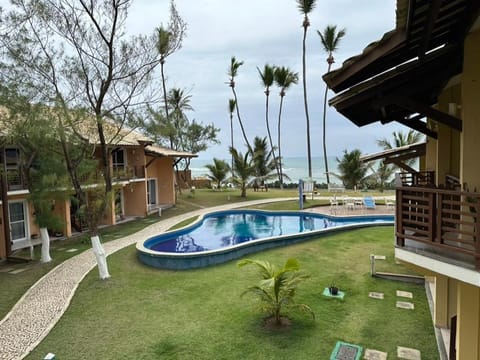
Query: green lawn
<point>147,313</point>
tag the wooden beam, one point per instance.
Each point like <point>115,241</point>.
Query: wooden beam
<point>441,117</point>
<point>405,167</point>
<point>419,126</point>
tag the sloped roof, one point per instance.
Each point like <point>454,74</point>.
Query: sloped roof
<point>400,77</point>
<point>157,150</point>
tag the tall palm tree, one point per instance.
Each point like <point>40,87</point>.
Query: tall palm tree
<point>244,169</point>
<point>284,78</point>
<point>231,108</point>
<point>267,76</point>
<point>169,40</point>
<point>401,139</point>
<point>306,7</point>
<point>218,171</point>
<point>232,73</point>
<point>330,39</point>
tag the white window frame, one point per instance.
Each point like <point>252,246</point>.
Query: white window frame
<point>26,225</point>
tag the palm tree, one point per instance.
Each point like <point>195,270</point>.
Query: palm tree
<point>232,73</point>
<point>170,40</point>
<point>263,161</point>
<point>267,76</point>
<point>244,169</point>
<point>352,170</point>
<point>231,108</point>
<point>401,139</point>
<point>306,7</point>
<point>330,40</point>
<point>277,288</point>
<point>218,171</point>
<point>284,78</point>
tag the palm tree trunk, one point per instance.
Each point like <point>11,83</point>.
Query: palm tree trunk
<point>324,130</point>
<point>231,141</point>
<point>270,137</point>
<point>240,120</point>
<point>280,177</point>
<point>305,101</point>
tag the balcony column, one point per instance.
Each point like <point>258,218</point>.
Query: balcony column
<point>441,301</point>
<point>468,322</point>
<point>470,146</point>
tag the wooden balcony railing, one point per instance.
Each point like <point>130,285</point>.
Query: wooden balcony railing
<point>446,222</point>
<point>127,173</point>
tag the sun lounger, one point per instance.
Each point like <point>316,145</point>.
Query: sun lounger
<point>368,202</point>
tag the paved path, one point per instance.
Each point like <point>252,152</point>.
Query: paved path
<point>39,309</point>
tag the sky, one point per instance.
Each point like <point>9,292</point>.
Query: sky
<point>259,32</point>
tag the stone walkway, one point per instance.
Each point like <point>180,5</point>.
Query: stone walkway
<point>39,309</point>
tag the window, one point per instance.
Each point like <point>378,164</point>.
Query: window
<point>118,159</point>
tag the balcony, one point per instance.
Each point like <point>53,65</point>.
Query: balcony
<point>440,223</point>
<point>15,180</point>
<point>128,173</point>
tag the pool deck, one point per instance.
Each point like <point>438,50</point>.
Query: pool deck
<point>41,307</point>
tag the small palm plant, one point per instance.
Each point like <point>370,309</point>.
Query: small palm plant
<point>276,290</point>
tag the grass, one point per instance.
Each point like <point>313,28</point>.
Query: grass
<point>147,313</point>
<point>18,284</point>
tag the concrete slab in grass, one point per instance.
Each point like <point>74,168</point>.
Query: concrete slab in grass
<point>380,257</point>
<point>376,295</point>
<point>408,353</point>
<point>405,294</point>
<point>405,305</point>
<point>18,271</point>
<point>346,351</point>
<point>72,250</point>
<point>340,295</point>
<point>375,355</point>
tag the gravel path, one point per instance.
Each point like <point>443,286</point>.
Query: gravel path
<point>39,309</point>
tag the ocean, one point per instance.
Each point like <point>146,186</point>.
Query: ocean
<point>295,167</point>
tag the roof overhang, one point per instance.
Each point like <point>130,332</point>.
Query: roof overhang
<point>400,77</point>
<point>399,155</point>
<point>160,151</point>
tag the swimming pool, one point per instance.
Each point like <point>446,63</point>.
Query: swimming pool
<point>225,235</point>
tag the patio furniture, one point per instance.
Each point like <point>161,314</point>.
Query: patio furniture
<point>368,202</point>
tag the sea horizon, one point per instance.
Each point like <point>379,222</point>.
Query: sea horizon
<point>295,167</point>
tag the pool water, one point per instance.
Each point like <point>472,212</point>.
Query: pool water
<point>226,229</point>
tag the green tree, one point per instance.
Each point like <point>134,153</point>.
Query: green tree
<point>284,78</point>
<point>169,41</point>
<point>276,291</point>
<point>268,76</point>
<point>232,73</point>
<point>306,7</point>
<point>330,39</point>
<point>78,61</point>
<point>244,169</point>
<point>352,171</point>
<point>383,175</point>
<point>401,139</point>
<point>263,161</point>
<point>218,171</point>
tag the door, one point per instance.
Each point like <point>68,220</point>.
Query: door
<point>152,197</point>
